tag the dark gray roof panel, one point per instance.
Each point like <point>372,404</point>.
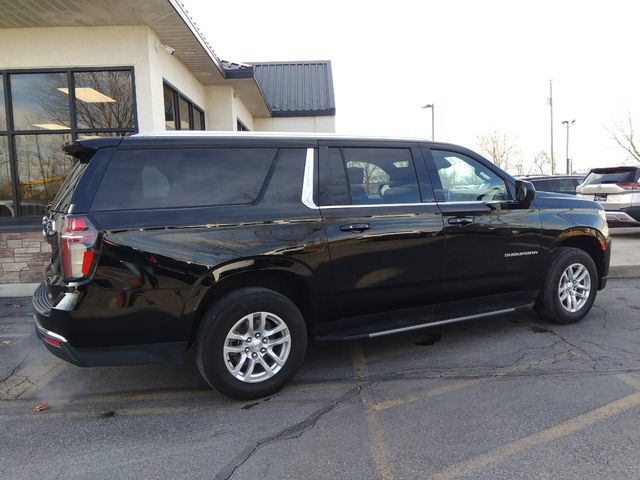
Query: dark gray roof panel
<point>294,89</point>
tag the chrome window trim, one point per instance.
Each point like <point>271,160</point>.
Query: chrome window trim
<point>307,182</point>
<point>307,190</point>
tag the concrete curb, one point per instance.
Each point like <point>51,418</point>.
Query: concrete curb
<point>27,289</point>
<point>17,289</point>
<point>624,271</point>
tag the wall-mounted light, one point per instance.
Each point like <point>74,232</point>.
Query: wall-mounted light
<point>170,50</point>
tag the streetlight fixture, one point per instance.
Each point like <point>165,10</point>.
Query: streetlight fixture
<point>567,124</point>
<point>432,107</point>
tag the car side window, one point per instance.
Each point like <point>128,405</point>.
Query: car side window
<point>464,179</point>
<point>369,176</point>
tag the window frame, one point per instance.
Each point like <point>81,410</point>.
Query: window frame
<point>9,223</point>
<point>508,180</point>
<point>192,107</point>
<point>425,186</point>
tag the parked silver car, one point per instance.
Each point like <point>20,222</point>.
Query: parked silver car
<point>618,190</point>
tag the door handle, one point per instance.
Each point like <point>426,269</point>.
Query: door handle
<point>460,221</point>
<point>355,227</point>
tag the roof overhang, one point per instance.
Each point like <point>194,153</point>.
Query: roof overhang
<point>167,18</point>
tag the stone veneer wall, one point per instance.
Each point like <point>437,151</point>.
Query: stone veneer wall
<point>23,256</point>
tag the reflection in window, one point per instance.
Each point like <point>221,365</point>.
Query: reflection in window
<point>464,179</point>
<point>169,108</point>
<point>42,167</point>
<point>40,101</point>
<point>198,119</point>
<point>184,114</point>
<point>3,113</point>
<point>6,197</point>
<point>179,112</point>
<point>381,175</point>
<point>104,99</point>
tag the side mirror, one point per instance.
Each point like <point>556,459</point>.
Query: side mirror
<point>525,193</point>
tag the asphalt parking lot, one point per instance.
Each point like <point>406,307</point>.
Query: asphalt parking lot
<point>508,397</point>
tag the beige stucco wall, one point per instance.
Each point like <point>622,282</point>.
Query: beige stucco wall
<point>324,124</point>
<point>125,46</point>
<point>83,47</point>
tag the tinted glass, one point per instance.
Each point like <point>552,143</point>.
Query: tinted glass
<point>184,114</point>
<point>104,99</point>
<point>464,179</point>
<point>611,176</point>
<point>62,200</point>
<point>3,112</point>
<point>140,179</point>
<point>334,189</point>
<point>198,119</point>
<point>381,175</point>
<point>285,184</point>
<point>40,101</point>
<point>42,168</point>
<point>6,202</point>
<point>169,109</point>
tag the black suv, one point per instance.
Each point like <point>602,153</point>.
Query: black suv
<point>242,246</point>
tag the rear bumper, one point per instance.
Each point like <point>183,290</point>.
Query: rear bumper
<point>624,217</point>
<point>48,318</point>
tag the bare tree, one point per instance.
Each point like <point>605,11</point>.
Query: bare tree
<point>623,135</point>
<point>541,164</point>
<point>501,150</point>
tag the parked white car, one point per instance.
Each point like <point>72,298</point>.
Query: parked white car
<point>618,190</point>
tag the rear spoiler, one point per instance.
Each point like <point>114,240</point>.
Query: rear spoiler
<point>614,169</point>
<point>85,149</point>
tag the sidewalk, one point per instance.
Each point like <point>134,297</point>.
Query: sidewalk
<point>625,253</point>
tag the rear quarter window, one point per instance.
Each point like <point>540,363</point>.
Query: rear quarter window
<point>154,178</point>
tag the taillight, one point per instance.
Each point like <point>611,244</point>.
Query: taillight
<point>629,185</point>
<point>77,240</point>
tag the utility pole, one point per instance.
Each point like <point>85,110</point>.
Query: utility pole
<point>568,124</point>
<point>553,160</point>
<point>432,107</point>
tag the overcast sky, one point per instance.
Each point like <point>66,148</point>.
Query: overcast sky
<point>485,65</point>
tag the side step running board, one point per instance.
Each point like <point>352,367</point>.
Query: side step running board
<point>392,331</point>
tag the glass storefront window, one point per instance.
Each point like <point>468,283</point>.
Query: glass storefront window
<point>179,112</point>
<point>104,99</point>
<point>3,113</point>
<point>6,196</point>
<point>40,101</point>
<point>42,120</point>
<point>169,108</point>
<point>42,167</point>
<point>198,119</point>
<point>184,114</point>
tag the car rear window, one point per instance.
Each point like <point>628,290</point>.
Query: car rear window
<point>62,200</point>
<point>153,178</point>
<point>604,176</point>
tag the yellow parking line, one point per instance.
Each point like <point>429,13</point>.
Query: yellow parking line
<point>543,436</point>
<point>629,380</point>
<point>379,449</point>
<point>452,387</point>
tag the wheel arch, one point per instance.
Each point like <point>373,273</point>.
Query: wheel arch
<point>590,241</point>
<point>292,284</point>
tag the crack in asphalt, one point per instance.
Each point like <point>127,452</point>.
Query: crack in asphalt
<point>288,433</point>
<point>15,369</point>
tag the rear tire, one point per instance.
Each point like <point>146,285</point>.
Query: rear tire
<point>570,287</point>
<point>251,342</point>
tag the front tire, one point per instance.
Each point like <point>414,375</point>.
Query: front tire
<point>251,343</point>
<point>570,288</point>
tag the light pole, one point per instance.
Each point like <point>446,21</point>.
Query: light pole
<point>567,124</point>
<point>432,107</point>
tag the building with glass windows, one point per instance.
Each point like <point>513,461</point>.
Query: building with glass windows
<point>92,68</point>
